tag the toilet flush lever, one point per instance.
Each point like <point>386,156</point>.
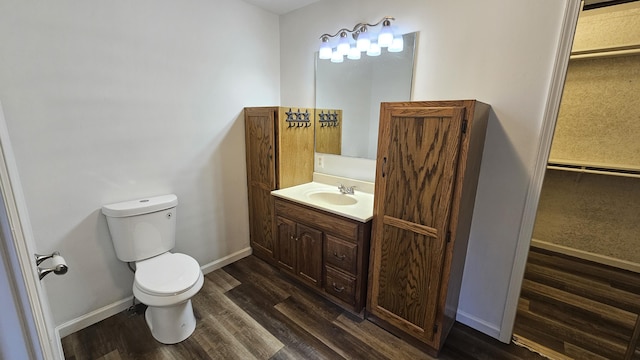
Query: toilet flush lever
<point>59,265</point>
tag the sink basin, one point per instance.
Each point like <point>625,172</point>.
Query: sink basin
<point>333,198</point>
<point>327,197</point>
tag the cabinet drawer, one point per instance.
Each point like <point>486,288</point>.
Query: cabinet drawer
<point>347,229</point>
<point>341,254</point>
<point>340,285</point>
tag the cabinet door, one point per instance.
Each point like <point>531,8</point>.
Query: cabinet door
<point>260,132</point>
<point>285,249</point>
<point>416,164</point>
<point>260,143</point>
<point>309,257</point>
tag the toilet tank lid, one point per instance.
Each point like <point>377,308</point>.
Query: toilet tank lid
<point>140,206</point>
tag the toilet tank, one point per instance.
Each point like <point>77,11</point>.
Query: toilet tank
<point>142,228</point>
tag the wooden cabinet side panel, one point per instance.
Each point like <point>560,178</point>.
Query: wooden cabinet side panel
<point>295,148</point>
<point>462,210</point>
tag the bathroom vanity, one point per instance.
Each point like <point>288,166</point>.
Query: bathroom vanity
<point>307,228</point>
<point>322,240</point>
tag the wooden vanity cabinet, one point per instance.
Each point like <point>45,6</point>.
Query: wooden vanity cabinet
<point>427,169</point>
<point>327,252</point>
<point>297,248</point>
<point>279,154</point>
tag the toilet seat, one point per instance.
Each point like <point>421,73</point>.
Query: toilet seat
<point>167,274</point>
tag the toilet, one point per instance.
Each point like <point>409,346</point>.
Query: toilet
<point>143,231</point>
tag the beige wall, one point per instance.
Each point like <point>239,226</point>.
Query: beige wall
<point>608,27</point>
<point>599,119</point>
<point>598,126</point>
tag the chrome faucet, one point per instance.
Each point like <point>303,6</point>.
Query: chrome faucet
<point>346,189</point>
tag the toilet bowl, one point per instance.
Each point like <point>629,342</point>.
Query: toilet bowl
<point>166,283</point>
<point>143,231</point>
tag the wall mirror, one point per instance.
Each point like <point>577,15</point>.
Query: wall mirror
<point>356,88</point>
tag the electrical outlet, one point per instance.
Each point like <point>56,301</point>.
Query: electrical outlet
<point>320,162</point>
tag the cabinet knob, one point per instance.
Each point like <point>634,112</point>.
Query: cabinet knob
<point>339,257</point>
<point>336,288</point>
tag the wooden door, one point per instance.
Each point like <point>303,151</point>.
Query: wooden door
<point>261,176</point>
<point>285,247</point>
<point>309,267</point>
<point>417,156</point>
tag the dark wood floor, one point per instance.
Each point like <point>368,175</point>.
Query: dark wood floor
<point>249,310</point>
<point>578,309</point>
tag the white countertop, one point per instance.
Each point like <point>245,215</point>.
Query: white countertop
<point>323,194</point>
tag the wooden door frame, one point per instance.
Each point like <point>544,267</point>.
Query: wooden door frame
<point>567,32</point>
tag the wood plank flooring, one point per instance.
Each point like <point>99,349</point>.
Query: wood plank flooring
<point>249,310</point>
<point>578,309</point>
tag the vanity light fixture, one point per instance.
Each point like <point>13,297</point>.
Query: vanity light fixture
<point>363,41</point>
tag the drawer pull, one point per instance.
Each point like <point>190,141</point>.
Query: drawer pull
<point>339,257</point>
<point>338,289</point>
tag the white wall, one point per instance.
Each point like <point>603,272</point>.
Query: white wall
<point>107,101</point>
<point>501,52</point>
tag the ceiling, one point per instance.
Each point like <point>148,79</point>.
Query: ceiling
<point>284,6</point>
<point>280,6</point>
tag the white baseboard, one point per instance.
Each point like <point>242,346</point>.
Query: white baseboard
<point>217,264</point>
<point>104,312</point>
<point>93,317</point>
<point>473,322</point>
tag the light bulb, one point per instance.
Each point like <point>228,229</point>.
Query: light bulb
<point>374,49</point>
<point>385,37</point>
<point>337,57</point>
<point>363,40</point>
<point>325,49</point>
<point>354,54</point>
<point>397,45</point>
<point>343,44</point>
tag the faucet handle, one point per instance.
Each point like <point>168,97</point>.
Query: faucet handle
<point>346,189</point>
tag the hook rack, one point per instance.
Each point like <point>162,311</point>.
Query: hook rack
<point>298,118</point>
<point>328,119</point>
